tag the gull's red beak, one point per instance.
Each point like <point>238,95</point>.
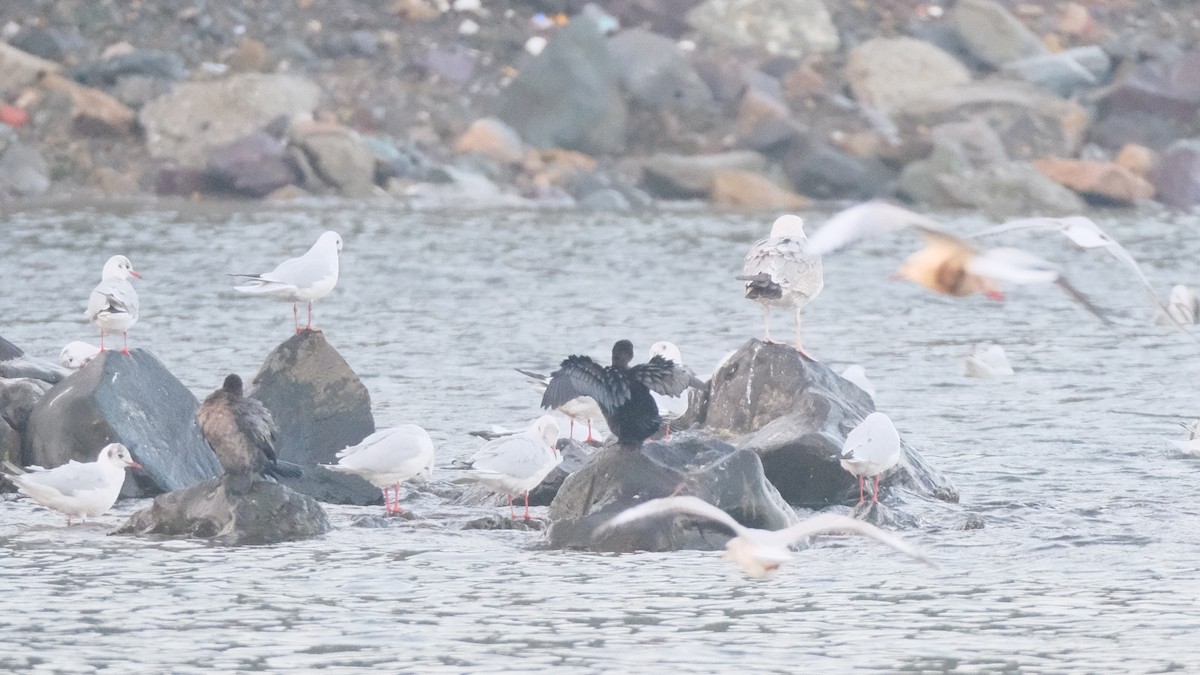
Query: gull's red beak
<point>134,465</point>
<point>995,295</point>
<point>134,274</point>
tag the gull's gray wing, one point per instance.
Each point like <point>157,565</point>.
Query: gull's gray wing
<point>827,523</point>
<point>786,263</point>
<point>692,506</point>
<point>866,220</point>
<point>70,478</point>
<point>113,295</point>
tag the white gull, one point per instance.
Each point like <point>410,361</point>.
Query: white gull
<point>83,490</point>
<point>871,448</point>
<point>113,304</point>
<point>516,464</point>
<point>389,457</point>
<point>305,279</point>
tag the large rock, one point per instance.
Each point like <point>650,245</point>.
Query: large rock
<point>24,172</point>
<point>1010,189</point>
<point>1169,88</point>
<point>1030,122</point>
<point>266,513</point>
<point>317,401</point>
<point>130,399</point>
<point>1104,181</point>
<point>958,147</point>
<point>152,63</point>
<point>992,34</point>
<point>195,119</point>
<point>93,112</point>
<point>1064,73</point>
<point>825,172</point>
<point>689,176</point>
<point>795,413</point>
<point>693,464</point>
<point>19,69</point>
<point>334,156</point>
<point>332,487</point>
<point>1176,177</point>
<point>9,351</point>
<point>18,398</point>
<point>569,96</point>
<point>795,28</point>
<point>750,190</point>
<point>887,72</point>
<point>655,72</point>
<point>254,165</point>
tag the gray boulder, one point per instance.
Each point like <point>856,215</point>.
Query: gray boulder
<point>885,72</point>
<point>795,28</point>
<point>254,165</point>
<point>1010,189</point>
<point>266,513</point>
<point>197,118</point>
<point>9,351</point>
<point>569,96</point>
<point>1065,73</point>
<point>655,72</point>
<point>825,172</point>
<point>690,176</point>
<point>24,172</point>
<point>317,401</point>
<point>33,368</point>
<point>140,62</point>
<point>131,399</point>
<point>17,399</point>
<point>332,487</point>
<point>1161,87</point>
<point>692,463</point>
<point>1176,177</point>
<point>335,157</point>
<point>992,34</point>
<point>795,414</point>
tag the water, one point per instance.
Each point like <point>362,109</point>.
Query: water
<point>1086,561</point>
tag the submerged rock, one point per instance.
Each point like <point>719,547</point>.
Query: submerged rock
<point>317,401</point>
<point>691,463</point>
<point>130,399</point>
<point>266,513</point>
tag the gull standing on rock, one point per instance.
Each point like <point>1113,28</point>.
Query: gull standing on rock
<point>516,464</point>
<point>76,489</point>
<point>671,408</point>
<point>948,264</point>
<point>113,305</point>
<point>580,408</point>
<point>779,273</point>
<point>389,457</point>
<point>305,279</point>
<point>760,552</point>
<point>871,448</point>
<point>242,433</point>
<point>621,391</point>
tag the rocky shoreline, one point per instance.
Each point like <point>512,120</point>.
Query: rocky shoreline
<point>1006,107</point>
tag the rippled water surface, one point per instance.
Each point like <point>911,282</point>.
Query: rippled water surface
<point>1087,560</point>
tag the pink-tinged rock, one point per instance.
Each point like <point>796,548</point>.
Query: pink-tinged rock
<point>1164,88</point>
<point>1136,158</point>
<point>1102,180</point>
<point>1177,175</point>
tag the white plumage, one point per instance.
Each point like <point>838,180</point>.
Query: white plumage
<point>669,407</point>
<point>305,279</point>
<point>514,465</point>
<point>582,409</point>
<point>760,552</point>
<point>389,457</point>
<point>779,272</point>
<point>76,355</point>
<point>113,304</point>
<point>871,448</point>
<point>83,490</point>
<point>857,375</point>
<point>988,360</point>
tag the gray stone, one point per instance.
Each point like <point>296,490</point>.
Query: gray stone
<point>338,157</point>
<point>254,165</point>
<point>317,401</point>
<point>796,28</point>
<point>266,513</point>
<point>1176,177</point>
<point>131,399</point>
<point>992,34</point>
<point>9,351</point>
<point>17,399</point>
<point>822,171</point>
<point>1010,189</point>
<point>692,463</point>
<point>795,413</point>
<point>1030,122</point>
<point>148,62</point>
<point>655,72</point>
<point>887,72</point>
<point>20,69</point>
<point>49,42</point>
<point>958,147</point>
<point>569,96</point>
<point>10,449</point>
<point>196,118</point>
<point>33,367</point>
<point>23,171</point>
<point>1161,87</point>
<point>332,487</point>
<point>1064,73</point>
<point>689,176</point>
<point>575,455</point>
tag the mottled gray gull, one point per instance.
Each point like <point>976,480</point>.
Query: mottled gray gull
<point>113,305</point>
<point>779,273</point>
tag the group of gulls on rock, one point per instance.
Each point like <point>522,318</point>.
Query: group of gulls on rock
<point>629,401</point>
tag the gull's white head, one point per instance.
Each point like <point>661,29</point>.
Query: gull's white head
<point>545,431</point>
<point>77,355</point>
<point>115,453</point>
<point>330,238</point>
<point>788,226</point>
<point>118,267</point>
<point>668,351</point>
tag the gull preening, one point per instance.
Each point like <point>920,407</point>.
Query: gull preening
<point>305,279</point>
<point>621,391</point>
<point>581,409</point>
<point>389,457</point>
<point>988,360</point>
<point>948,264</point>
<point>871,448</point>
<point>75,489</point>
<point>779,272</point>
<point>1183,307</point>
<point>514,465</point>
<point>113,305</point>
<point>857,375</point>
<point>242,434</point>
<point>670,408</point>
<point>760,552</point>
<point>76,355</point>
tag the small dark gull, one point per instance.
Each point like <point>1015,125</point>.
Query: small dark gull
<point>760,552</point>
<point>948,264</point>
<point>389,457</point>
<point>779,272</point>
<point>83,490</point>
<point>871,448</point>
<point>579,409</point>
<point>621,391</point>
<point>305,279</point>
<point>242,433</point>
<point>514,465</point>
<point>113,305</point>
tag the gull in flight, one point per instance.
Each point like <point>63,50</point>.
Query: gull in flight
<point>305,279</point>
<point>779,272</point>
<point>113,305</point>
<point>760,552</point>
<point>389,457</point>
<point>948,264</point>
<point>83,490</point>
